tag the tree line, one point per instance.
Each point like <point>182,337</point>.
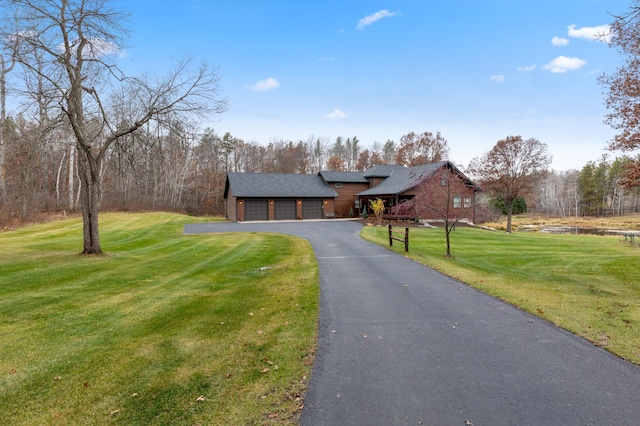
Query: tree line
<point>175,167</point>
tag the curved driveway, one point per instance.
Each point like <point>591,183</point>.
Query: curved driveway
<point>401,344</point>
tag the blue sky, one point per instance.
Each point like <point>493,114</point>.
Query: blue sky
<point>474,70</point>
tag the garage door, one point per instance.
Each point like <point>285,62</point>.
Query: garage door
<point>312,209</point>
<point>285,210</point>
<point>256,210</point>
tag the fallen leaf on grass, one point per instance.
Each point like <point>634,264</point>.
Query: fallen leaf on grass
<point>273,415</point>
<point>266,370</point>
<point>57,378</point>
<point>14,371</point>
<point>201,398</point>
<point>114,412</point>
<point>134,395</point>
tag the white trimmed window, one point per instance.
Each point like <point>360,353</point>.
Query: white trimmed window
<point>457,202</point>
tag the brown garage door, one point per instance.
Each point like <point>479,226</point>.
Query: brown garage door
<point>285,210</point>
<point>256,210</point>
<point>312,209</point>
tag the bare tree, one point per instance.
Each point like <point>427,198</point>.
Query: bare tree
<point>388,152</point>
<point>623,98</point>
<point>512,169</point>
<point>416,149</point>
<point>79,44</point>
<point>7,63</point>
<point>448,197</point>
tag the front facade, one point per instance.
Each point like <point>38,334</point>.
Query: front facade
<point>329,194</point>
<point>432,186</point>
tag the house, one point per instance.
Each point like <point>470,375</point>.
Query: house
<point>330,194</point>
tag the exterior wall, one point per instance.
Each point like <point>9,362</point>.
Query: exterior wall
<point>328,206</point>
<point>346,199</point>
<point>299,209</point>
<point>239,210</point>
<point>231,207</point>
<point>432,188</point>
<point>272,210</point>
<point>375,181</point>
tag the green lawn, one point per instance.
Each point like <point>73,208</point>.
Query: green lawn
<point>165,329</point>
<point>589,285</point>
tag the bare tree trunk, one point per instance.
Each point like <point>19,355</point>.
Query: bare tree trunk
<point>3,119</point>
<point>58,179</point>
<point>90,194</point>
<point>4,70</point>
<point>509,214</point>
<point>72,172</point>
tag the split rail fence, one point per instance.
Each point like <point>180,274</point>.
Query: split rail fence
<point>405,237</point>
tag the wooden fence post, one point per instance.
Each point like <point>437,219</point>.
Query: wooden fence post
<point>405,239</point>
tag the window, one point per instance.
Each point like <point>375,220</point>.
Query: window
<point>466,202</point>
<point>338,185</point>
<point>456,202</point>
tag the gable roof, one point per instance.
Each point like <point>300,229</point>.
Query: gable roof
<point>344,177</point>
<point>277,185</point>
<point>401,179</point>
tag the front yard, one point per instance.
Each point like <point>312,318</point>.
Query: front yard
<point>165,329</point>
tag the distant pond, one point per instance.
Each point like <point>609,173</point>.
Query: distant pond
<point>575,230</point>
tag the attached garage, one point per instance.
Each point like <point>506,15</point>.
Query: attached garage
<point>256,210</point>
<point>274,196</point>
<point>285,209</point>
<point>312,209</point>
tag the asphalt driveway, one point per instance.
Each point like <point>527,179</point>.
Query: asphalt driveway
<point>401,344</point>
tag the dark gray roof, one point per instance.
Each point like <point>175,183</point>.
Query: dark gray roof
<point>274,185</point>
<point>344,177</point>
<point>400,179</point>
<point>381,170</point>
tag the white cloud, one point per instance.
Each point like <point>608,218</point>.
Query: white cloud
<point>96,48</point>
<point>599,33</point>
<point>559,41</point>
<point>528,68</point>
<point>497,78</point>
<point>366,21</point>
<point>336,115</point>
<point>264,85</point>
<point>562,64</point>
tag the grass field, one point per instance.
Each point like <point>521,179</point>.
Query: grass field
<point>165,329</point>
<point>589,285</point>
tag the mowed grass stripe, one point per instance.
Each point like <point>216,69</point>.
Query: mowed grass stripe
<point>152,329</point>
<point>589,285</point>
